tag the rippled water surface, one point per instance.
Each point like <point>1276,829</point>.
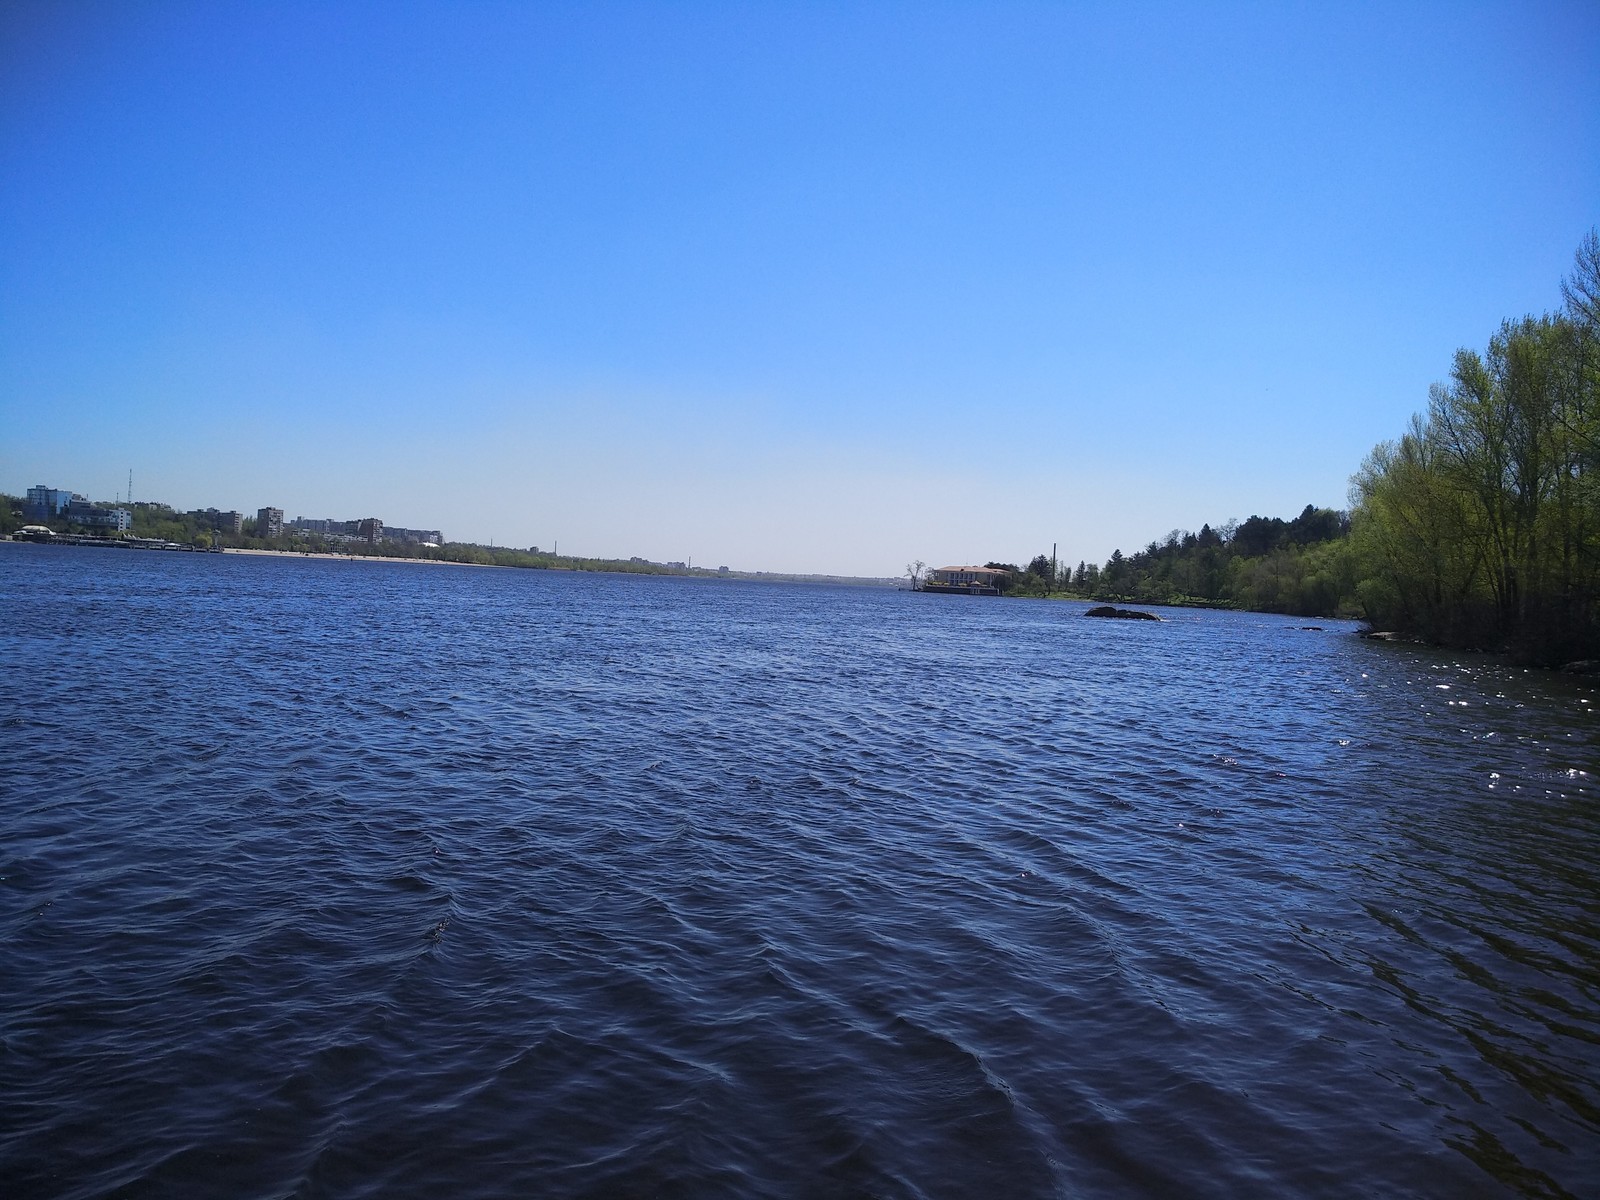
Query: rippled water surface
<point>338,879</point>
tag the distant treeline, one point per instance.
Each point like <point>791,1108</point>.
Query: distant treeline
<point>1266,564</point>
<point>1301,566</point>
<point>499,556</point>
<point>495,556</point>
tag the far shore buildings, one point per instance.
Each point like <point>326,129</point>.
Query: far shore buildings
<point>45,503</point>
<point>368,529</point>
<point>222,522</point>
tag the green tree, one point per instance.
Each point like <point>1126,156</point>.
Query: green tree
<point>1482,524</point>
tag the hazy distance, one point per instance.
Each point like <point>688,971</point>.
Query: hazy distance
<point>783,287</point>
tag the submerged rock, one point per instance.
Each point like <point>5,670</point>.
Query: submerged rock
<point>1126,614</point>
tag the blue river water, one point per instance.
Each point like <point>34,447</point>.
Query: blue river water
<point>353,879</point>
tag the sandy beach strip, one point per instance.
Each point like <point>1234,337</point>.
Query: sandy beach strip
<point>368,558</point>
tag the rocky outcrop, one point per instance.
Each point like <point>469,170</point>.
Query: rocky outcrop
<point>1126,614</point>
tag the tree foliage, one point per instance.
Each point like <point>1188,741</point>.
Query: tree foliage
<point>1480,526</point>
<point>1300,566</point>
<point>12,516</point>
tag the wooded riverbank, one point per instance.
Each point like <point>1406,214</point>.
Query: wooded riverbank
<point>1478,528</point>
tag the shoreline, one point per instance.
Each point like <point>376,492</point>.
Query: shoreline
<point>375,558</point>
<point>602,567</point>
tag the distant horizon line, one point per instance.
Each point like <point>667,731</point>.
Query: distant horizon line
<point>687,564</point>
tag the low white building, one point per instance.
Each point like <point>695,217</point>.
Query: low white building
<point>963,576</point>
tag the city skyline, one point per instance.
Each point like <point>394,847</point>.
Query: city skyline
<point>42,501</point>
<point>793,288</point>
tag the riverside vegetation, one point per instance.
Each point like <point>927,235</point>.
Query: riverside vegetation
<point>1303,567</point>
<point>1479,527</point>
<point>1481,524</point>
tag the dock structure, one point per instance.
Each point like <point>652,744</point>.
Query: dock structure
<point>966,581</point>
<point>49,537</point>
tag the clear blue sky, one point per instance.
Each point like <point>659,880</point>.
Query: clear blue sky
<point>796,287</point>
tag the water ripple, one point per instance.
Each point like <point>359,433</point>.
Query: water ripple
<point>334,879</point>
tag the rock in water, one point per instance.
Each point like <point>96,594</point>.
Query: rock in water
<point>1126,614</point>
